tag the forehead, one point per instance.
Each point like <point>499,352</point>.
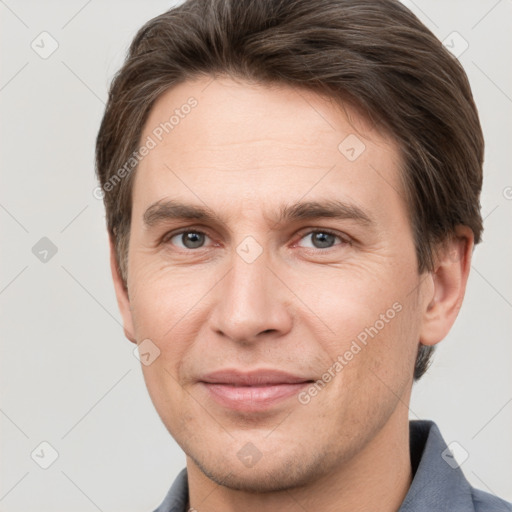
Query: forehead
<point>248,145</point>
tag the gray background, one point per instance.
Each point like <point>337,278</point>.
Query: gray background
<point>68,376</point>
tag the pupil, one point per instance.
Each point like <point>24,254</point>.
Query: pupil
<point>323,239</point>
<point>192,240</point>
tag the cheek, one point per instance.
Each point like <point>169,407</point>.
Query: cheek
<point>348,300</point>
<point>169,306</point>
<point>369,316</point>
<point>375,368</point>
<point>384,366</point>
<point>163,299</point>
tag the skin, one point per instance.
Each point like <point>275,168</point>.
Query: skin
<point>245,150</point>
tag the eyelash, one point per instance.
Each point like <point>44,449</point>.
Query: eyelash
<point>344,239</point>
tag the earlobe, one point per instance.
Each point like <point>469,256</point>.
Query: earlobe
<point>449,279</point>
<point>123,300</point>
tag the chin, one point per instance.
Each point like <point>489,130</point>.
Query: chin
<point>265,476</point>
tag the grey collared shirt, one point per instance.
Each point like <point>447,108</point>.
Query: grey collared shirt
<point>438,484</point>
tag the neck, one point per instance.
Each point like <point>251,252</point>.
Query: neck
<point>376,478</point>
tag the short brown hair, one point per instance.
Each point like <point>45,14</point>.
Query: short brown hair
<point>373,53</point>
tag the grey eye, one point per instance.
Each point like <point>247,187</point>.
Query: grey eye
<point>189,239</point>
<point>321,239</point>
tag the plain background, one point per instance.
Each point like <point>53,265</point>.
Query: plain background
<point>68,376</point>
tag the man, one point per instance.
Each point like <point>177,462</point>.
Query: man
<point>292,196</point>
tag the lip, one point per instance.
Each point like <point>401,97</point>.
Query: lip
<point>252,391</point>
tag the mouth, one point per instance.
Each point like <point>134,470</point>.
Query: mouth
<point>252,391</point>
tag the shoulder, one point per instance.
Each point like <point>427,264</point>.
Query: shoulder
<point>485,502</point>
<point>439,482</point>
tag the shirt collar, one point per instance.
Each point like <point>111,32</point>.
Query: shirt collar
<point>437,484</point>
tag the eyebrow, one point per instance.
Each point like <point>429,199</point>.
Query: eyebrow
<point>170,209</point>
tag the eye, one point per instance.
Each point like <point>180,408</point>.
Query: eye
<point>195,239</point>
<point>322,239</point>
<point>191,239</point>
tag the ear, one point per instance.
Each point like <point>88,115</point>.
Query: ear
<point>449,278</point>
<point>123,300</point>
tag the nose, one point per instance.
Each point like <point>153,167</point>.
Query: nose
<point>251,302</point>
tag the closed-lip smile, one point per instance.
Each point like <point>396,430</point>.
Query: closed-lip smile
<point>252,391</point>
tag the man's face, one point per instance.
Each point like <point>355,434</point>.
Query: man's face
<point>264,285</point>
